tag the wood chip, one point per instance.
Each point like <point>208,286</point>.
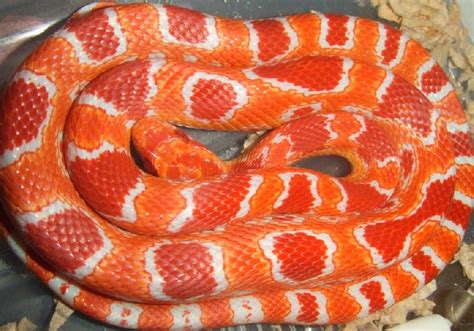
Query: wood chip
<point>465,256</point>
<point>22,325</point>
<point>60,316</point>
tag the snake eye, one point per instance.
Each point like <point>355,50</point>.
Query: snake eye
<point>333,165</point>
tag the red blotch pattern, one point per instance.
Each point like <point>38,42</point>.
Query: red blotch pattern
<point>337,30</point>
<point>424,263</point>
<point>126,87</point>
<point>433,80</point>
<point>438,197</point>
<point>458,213</point>
<point>96,35</point>
<point>461,144</point>
<point>392,44</point>
<point>373,143</point>
<point>27,105</point>
<point>309,308</point>
<point>362,197</point>
<point>398,103</point>
<point>211,99</point>
<point>272,39</point>
<point>397,238</point>
<point>396,232</point>
<point>187,269</point>
<point>105,182</point>
<point>306,72</point>
<point>315,135</point>
<point>72,236</point>
<point>372,290</point>
<point>187,25</point>
<point>302,256</point>
<point>300,198</point>
<point>217,202</point>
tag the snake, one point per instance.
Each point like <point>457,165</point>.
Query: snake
<point>130,221</point>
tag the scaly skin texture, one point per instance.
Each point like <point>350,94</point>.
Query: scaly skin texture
<point>196,242</point>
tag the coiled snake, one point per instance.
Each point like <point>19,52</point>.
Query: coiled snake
<point>195,242</point>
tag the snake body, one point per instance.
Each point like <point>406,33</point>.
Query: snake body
<point>195,242</point>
